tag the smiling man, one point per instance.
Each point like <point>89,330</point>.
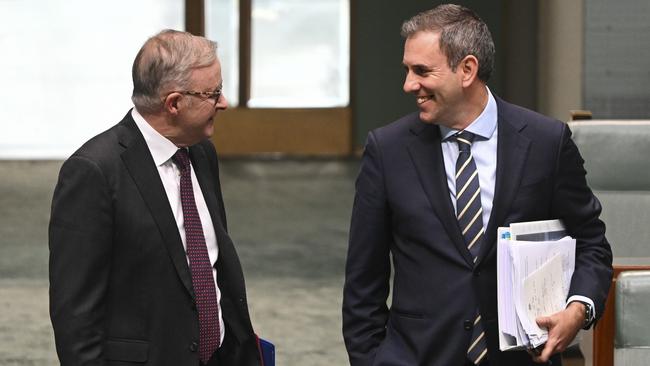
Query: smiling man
<point>435,185</point>
<point>142,270</point>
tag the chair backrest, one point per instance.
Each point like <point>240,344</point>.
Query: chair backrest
<point>617,160</point>
<point>632,342</point>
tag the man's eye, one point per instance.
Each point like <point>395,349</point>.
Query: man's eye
<point>420,71</point>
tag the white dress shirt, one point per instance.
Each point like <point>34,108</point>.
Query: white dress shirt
<point>162,150</point>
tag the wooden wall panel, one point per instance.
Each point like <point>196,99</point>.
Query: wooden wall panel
<point>285,132</point>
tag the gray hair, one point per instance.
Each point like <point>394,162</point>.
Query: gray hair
<point>462,33</point>
<point>164,63</point>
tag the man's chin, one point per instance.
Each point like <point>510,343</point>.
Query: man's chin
<point>427,117</point>
<point>209,130</point>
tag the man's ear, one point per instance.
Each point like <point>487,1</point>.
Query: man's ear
<point>468,67</point>
<point>171,102</point>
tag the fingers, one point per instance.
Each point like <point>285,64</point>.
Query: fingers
<point>535,353</point>
<point>545,322</point>
<point>553,344</point>
<point>561,330</point>
<point>550,348</point>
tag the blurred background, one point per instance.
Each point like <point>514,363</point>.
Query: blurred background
<point>306,81</point>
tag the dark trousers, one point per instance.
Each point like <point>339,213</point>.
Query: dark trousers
<point>554,361</point>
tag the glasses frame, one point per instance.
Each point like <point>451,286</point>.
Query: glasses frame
<point>215,95</point>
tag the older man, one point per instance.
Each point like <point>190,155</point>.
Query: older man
<point>142,269</point>
<point>434,187</point>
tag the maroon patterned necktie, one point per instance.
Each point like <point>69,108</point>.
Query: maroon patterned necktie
<point>205,291</point>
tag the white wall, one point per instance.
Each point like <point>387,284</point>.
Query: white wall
<point>65,69</point>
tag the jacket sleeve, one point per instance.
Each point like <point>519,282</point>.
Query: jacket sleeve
<point>575,204</point>
<point>80,237</point>
<point>367,271</point>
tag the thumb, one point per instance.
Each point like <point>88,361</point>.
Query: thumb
<point>544,322</point>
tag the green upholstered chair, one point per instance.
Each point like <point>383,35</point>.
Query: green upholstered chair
<point>632,341</point>
<point>617,160</point>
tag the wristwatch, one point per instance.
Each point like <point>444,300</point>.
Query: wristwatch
<point>589,315</point>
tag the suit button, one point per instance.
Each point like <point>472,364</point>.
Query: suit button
<point>477,273</point>
<point>467,324</point>
<point>194,346</point>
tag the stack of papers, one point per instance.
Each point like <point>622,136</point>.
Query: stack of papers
<point>535,262</point>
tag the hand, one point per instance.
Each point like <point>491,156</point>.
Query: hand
<point>562,329</point>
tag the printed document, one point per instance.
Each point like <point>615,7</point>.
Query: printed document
<point>533,279</point>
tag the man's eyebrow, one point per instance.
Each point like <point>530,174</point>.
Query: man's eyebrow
<point>417,66</point>
<point>418,63</point>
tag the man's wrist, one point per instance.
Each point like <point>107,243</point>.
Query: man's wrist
<point>588,313</point>
<point>589,309</point>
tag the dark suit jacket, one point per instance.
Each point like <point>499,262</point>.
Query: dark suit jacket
<point>120,286</point>
<point>402,209</point>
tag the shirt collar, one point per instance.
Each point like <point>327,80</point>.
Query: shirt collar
<point>483,126</point>
<point>161,148</point>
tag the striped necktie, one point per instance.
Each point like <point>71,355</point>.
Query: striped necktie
<point>470,220</point>
<point>205,290</point>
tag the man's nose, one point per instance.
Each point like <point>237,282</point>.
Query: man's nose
<point>222,103</point>
<point>410,84</point>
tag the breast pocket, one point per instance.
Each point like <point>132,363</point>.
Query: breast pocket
<point>532,200</point>
<point>536,188</point>
<point>126,350</point>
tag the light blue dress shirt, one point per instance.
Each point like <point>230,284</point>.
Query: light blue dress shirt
<point>484,152</point>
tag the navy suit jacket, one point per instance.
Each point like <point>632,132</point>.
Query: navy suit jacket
<point>402,210</point>
<point>120,286</point>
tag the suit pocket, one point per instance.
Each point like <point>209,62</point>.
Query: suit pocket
<point>129,350</point>
<point>532,201</point>
<point>406,314</point>
<point>530,189</point>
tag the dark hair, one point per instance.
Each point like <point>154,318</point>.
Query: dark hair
<point>462,33</point>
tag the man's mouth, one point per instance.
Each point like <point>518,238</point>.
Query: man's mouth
<point>423,99</point>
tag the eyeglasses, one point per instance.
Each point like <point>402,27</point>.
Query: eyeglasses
<point>215,95</point>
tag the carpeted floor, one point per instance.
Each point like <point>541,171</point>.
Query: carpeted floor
<point>289,221</point>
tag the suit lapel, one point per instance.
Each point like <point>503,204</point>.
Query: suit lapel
<point>140,164</point>
<point>229,279</point>
<point>426,152</point>
<point>512,152</point>
<point>208,187</point>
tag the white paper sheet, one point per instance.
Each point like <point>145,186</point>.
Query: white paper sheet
<point>533,278</point>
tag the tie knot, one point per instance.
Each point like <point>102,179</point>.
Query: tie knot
<point>464,140</point>
<point>182,159</point>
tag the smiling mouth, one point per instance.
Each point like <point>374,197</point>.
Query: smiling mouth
<point>423,99</point>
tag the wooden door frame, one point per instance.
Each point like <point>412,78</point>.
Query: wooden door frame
<point>244,131</point>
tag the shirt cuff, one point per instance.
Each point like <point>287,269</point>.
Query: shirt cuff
<point>586,300</point>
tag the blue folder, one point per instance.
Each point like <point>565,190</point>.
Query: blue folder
<point>268,352</point>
